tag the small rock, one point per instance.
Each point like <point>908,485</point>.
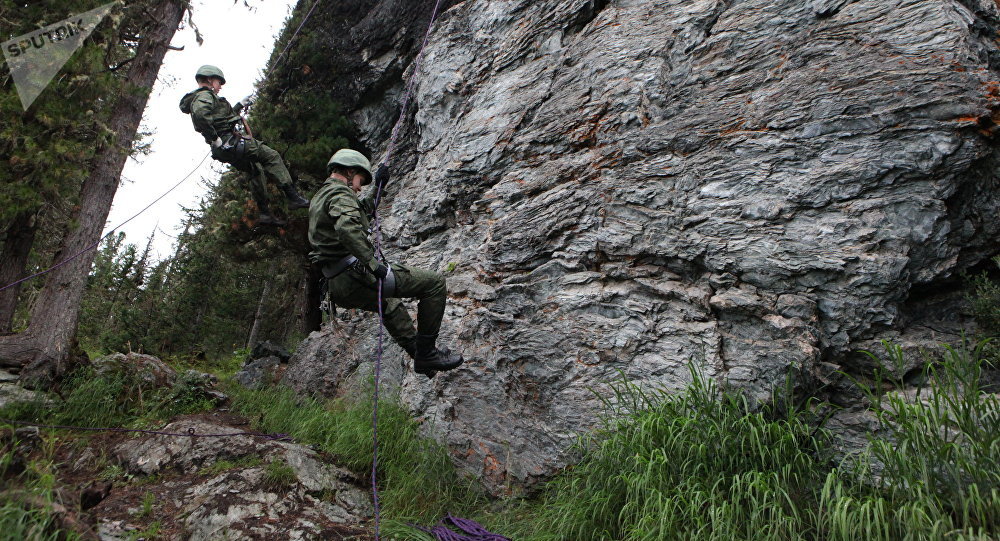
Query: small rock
<point>12,393</point>
<point>270,349</point>
<point>84,460</point>
<point>95,494</point>
<point>258,373</point>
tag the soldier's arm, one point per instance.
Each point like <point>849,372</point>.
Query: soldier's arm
<point>201,115</point>
<point>346,212</point>
<point>368,201</point>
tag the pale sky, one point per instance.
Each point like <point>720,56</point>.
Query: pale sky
<point>239,41</point>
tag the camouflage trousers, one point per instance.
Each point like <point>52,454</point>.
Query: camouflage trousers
<point>357,289</point>
<point>259,162</point>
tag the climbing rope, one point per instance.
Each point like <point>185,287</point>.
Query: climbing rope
<point>119,226</point>
<point>189,434</point>
<point>472,531</point>
<point>377,227</point>
<point>109,233</point>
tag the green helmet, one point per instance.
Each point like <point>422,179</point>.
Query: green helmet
<point>350,158</point>
<point>210,71</point>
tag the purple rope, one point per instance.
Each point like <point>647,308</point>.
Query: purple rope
<point>189,434</point>
<point>108,234</point>
<point>378,248</point>
<point>471,531</point>
<point>289,44</point>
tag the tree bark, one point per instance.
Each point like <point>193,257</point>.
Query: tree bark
<point>13,262</point>
<point>44,348</point>
<point>312,316</point>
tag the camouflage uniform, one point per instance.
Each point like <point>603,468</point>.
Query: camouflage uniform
<point>338,227</point>
<point>213,118</point>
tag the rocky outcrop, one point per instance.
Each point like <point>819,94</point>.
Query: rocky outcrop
<point>263,366</point>
<point>250,488</point>
<point>619,188</point>
<point>147,369</point>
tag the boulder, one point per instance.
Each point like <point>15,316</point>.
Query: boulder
<point>11,392</point>
<point>244,500</point>
<point>258,373</point>
<point>146,368</point>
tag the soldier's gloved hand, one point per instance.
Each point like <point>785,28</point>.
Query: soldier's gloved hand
<point>217,143</point>
<point>381,271</point>
<point>382,176</point>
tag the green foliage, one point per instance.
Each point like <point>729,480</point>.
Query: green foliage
<point>198,305</point>
<point>703,465</point>
<point>226,465</point>
<point>986,302</point>
<point>278,474</point>
<point>305,126</point>
<point>148,500</point>
<point>151,532</point>
<point>112,399</point>
<point>943,446</point>
<point>419,483</point>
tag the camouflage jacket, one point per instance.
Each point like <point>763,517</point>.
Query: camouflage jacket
<point>339,223</point>
<point>211,115</point>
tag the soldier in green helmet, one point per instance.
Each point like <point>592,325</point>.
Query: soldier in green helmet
<point>219,123</point>
<point>338,232</point>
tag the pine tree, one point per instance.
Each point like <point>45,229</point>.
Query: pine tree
<point>43,349</point>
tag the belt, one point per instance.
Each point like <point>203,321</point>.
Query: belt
<point>332,270</point>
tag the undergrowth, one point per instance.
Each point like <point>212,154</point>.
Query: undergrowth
<point>113,399</point>
<point>704,465</point>
<point>417,481</point>
<point>28,501</point>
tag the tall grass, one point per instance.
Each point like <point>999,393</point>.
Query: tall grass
<point>112,399</point>
<point>941,461</point>
<point>704,465</point>
<point>416,478</point>
<point>27,502</point>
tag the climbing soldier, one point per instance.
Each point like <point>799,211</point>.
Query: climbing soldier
<point>338,233</point>
<point>220,124</point>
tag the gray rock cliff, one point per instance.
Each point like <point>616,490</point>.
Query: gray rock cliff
<point>762,187</point>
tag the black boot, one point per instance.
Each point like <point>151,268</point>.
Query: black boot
<point>266,218</point>
<point>295,201</point>
<point>430,360</point>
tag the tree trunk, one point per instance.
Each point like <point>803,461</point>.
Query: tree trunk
<point>255,329</point>
<point>43,349</point>
<point>13,262</point>
<point>312,316</point>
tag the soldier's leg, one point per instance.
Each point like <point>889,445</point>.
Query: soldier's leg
<point>427,286</point>
<point>347,292</point>
<point>258,190</point>
<point>269,161</point>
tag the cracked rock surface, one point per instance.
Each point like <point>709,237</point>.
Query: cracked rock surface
<point>239,496</point>
<point>760,187</point>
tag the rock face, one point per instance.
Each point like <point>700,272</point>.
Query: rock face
<point>254,484</point>
<point>615,187</point>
